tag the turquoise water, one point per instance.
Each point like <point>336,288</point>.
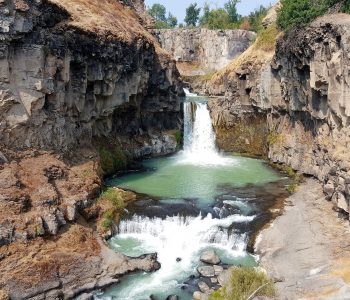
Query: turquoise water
<point>196,200</point>
<point>173,179</point>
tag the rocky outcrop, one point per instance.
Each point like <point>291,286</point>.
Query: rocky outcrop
<point>67,77</point>
<point>75,263</point>
<point>201,51</point>
<point>303,93</point>
<point>71,82</point>
<point>78,79</point>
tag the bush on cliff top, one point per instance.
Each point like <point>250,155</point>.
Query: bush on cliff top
<point>295,13</point>
<point>243,283</point>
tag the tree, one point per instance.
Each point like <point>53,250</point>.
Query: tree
<point>158,12</point>
<point>218,19</point>
<point>206,13</point>
<point>231,9</point>
<point>171,20</point>
<point>192,14</point>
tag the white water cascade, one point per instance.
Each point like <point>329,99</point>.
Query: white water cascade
<point>199,137</point>
<point>177,238</point>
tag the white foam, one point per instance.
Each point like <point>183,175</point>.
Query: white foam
<point>199,138</point>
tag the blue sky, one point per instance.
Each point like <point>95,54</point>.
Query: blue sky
<point>178,7</point>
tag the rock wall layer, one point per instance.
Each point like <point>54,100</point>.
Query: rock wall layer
<point>72,71</point>
<point>203,50</point>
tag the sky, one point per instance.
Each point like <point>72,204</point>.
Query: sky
<point>178,7</point>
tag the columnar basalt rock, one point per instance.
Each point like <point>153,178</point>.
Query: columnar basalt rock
<point>200,51</point>
<point>75,77</point>
<point>63,83</point>
<point>302,92</point>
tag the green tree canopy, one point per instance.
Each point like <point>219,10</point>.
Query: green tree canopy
<point>158,12</point>
<point>192,14</point>
<point>171,20</point>
<point>300,12</point>
<point>231,8</point>
<point>206,13</point>
<point>218,19</point>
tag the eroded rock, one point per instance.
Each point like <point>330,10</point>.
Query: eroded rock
<point>210,257</point>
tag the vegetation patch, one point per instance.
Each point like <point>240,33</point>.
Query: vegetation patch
<point>114,160</point>
<point>298,13</point>
<point>266,39</point>
<point>107,219</point>
<point>245,283</point>
<point>292,188</point>
<point>112,202</point>
<point>113,196</point>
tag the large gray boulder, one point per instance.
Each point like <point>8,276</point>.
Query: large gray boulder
<point>210,257</point>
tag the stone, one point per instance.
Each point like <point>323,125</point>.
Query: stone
<point>214,280</point>
<point>329,189</point>
<point>178,259</point>
<point>206,271</point>
<point>342,202</point>
<point>197,295</point>
<point>203,287</point>
<point>172,297</point>
<point>3,159</point>
<point>218,269</point>
<point>210,257</point>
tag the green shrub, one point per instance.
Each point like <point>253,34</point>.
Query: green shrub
<point>301,12</point>
<point>113,196</point>
<point>266,39</point>
<point>243,283</point>
<point>292,188</point>
<point>107,219</point>
<point>113,160</point>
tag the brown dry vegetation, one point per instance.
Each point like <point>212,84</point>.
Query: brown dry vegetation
<point>109,18</point>
<point>257,54</point>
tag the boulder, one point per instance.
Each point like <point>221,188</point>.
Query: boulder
<point>210,257</point>
<point>218,270</point>
<point>206,271</point>
<point>203,287</point>
<point>172,297</point>
<point>197,295</point>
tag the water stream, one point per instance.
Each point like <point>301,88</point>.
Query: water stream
<point>195,200</point>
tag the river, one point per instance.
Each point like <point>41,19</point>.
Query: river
<point>195,200</point>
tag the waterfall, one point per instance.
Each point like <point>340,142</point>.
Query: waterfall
<point>199,137</point>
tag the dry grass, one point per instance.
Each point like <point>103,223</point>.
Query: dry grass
<point>257,54</point>
<point>108,18</point>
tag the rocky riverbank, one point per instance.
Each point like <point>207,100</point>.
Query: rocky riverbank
<point>307,248</point>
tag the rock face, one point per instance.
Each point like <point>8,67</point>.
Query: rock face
<point>65,79</point>
<point>75,77</point>
<point>200,51</point>
<point>302,93</point>
<point>75,263</point>
<point>210,257</point>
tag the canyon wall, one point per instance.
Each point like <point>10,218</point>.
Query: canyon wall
<point>84,88</point>
<point>76,89</point>
<point>200,51</point>
<point>299,97</point>
<point>67,77</point>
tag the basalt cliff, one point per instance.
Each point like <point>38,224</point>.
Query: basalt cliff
<point>290,103</point>
<point>84,89</point>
